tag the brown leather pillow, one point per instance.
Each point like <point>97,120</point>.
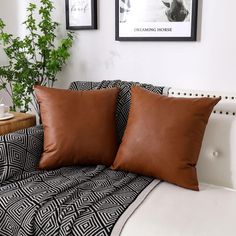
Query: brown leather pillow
<point>163,137</point>
<point>79,127</point>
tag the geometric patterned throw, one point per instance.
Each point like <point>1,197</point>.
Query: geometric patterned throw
<point>68,201</point>
<point>20,152</point>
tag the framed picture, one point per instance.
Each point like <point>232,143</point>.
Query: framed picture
<point>81,14</point>
<point>156,20</point>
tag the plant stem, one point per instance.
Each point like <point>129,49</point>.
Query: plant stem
<point>6,89</point>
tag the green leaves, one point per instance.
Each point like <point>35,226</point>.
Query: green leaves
<point>2,25</point>
<point>34,59</point>
<point>31,7</point>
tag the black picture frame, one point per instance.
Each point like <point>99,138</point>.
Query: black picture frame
<point>192,32</point>
<point>76,16</point>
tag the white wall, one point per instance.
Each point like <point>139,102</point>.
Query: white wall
<point>209,64</point>
<point>11,26</point>
<point>12,12</point>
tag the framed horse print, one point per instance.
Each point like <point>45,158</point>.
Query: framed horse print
<point>156,20</point>
<point>81,14</point>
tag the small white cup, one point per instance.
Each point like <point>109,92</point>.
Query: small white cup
<point>4,110</point>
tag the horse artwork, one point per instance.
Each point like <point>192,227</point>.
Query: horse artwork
<point>176,11</point>
<point>168,18</point>
<point>164,10</point>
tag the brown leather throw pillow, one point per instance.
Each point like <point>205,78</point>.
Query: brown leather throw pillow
<point>164,136</point>
<point>79,127</point>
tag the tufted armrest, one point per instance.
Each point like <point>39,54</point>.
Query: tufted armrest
<point>20,152</point>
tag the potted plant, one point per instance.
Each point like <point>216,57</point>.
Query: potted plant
<point>34,59</point>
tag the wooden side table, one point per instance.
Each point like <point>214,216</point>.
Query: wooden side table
<point>20,121</point>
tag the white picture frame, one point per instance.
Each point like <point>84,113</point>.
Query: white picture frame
<point>81,14</point>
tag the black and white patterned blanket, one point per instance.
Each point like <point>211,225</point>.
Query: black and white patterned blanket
<point>85,201</point>
<point>82,201</point>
